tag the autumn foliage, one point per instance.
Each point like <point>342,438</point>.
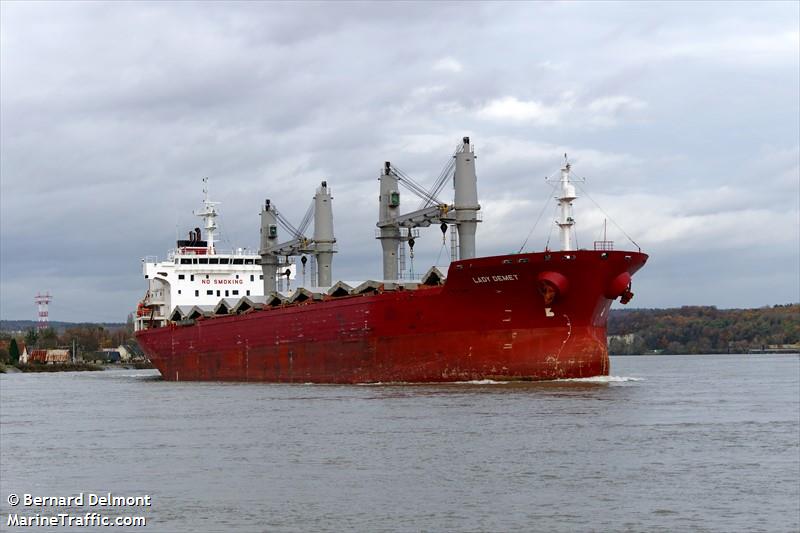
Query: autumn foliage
<point>695,330</point>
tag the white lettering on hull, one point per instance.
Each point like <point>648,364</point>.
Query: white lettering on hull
<point>490,279</point>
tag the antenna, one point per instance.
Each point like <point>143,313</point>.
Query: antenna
<point>43,300</point>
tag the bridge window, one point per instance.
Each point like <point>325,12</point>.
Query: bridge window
<point>203,260</point>
<point>186,261</point>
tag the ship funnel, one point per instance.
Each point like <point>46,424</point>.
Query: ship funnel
<point>269,241</point>
<point>323,234</point>
<point>465,182</point>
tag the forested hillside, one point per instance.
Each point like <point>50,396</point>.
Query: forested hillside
<point>702,329</point>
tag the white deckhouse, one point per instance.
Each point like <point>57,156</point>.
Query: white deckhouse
<point>195,273</point>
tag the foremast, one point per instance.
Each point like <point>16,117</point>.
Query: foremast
<point>566,221</point>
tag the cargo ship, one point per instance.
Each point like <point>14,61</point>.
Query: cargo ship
<point>516,317</point>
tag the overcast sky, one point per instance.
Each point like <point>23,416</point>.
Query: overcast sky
<point>683,117</point>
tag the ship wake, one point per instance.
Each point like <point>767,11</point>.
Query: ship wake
<point>602,379</point>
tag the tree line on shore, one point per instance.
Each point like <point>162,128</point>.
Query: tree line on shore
<point>85,338</point>
<point>701,329</point>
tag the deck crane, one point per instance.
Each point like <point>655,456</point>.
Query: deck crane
<point>321,245</point>
<point>463,213</point>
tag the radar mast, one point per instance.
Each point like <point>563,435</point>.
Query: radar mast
<point>209,214</point>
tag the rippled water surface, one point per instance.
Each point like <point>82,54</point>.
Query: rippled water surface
<point>704,443</point>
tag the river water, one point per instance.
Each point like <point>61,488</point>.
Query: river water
<point>703,443</point>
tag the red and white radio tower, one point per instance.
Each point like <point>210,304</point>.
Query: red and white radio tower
<point>42,300</point>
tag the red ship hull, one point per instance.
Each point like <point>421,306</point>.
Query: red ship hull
<point>517,317</point>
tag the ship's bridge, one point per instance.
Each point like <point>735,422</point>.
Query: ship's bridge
<point>189,278</point>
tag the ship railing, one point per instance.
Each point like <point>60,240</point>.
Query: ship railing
<point>238,252</point>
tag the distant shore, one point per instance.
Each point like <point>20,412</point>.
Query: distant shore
<point>68,367</point>
<point>64,367</point>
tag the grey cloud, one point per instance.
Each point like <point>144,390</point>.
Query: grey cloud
<point>111,113</point>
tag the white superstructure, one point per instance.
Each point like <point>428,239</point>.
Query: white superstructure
<point>195,273</point>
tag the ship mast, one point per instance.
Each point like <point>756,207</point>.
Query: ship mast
<point>209,215</point>
<point>565,221</point>
<point>465,183</point>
